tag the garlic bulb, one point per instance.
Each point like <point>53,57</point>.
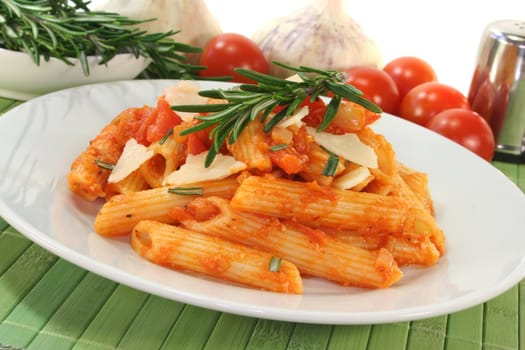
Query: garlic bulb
<point>319,35</point>
<point>192,18</point>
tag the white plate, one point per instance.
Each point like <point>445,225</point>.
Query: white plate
<point>22,79</point>
<point>480,210</point>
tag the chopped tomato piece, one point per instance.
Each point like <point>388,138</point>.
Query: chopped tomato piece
<point>289,160</point>
<point>166,120</point>
<point>199,141</point>
<point>138,121</point>
<point>195,144</point>
<point>147,116</point>
<point>371,117</point>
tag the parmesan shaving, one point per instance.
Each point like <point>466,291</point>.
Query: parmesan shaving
<point>194,170</point>
<point>352,178</point>
<point>348,146</point>
<point>133,156</point>
<point>184,93</point>
<point>294,119</point>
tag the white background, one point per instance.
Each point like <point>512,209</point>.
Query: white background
<point>445,33</point>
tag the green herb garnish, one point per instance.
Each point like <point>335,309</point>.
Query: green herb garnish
<point>69,29</point>
<point>247,101</point>
<point>331,165</point>
<point>165,136</point>
<point>104,165</point>
<point>186,191</point>
<point>275,264</point>
<point>278,147</point>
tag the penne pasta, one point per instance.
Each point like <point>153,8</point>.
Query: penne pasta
<point>251,147</point>
<point>406,250</point>
<point>86,177</point>
<point>417,181</point>
<point>316,205</point>
<point>314,252</point>
<point>383,181</point>
<point>134,182</point>
<point>313,169</point>
<point>181,249</point>
<point>168,156</point>
<point>121,212</point>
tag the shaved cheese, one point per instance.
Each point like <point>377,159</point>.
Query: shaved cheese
<point>295,78</point>
<point>348,146</point>
<point>133,156</point>
<point>194,170</point>
<point>184,93</point>
<point>294,119</point>
<point>352,178</point>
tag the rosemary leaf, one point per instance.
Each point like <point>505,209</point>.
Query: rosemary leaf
<point>278,147</point>
<point>207,108</point>
<point>186,191</point>
<point>275,264</point>
<point>104,165</point>
<point>165,137</point>
<point>331,165</point>
<point>344,90</point>
<point>275,120</point>
<point>330,113</point>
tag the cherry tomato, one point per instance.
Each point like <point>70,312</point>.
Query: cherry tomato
<point>376,85</point>
<point>428,99</point>
<point>467,128</point>
<point>408,72</point>
<point>227,51</point>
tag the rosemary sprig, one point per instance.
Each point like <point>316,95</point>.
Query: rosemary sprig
<point>104,165</point>
<point>247,101</point>
<point>186,191</point>
<point>69,29</point>
<point>275,264</point>
<point>331,165</point>
<point>277,147</point>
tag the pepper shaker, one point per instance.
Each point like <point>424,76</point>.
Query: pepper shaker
<point>497,90</point>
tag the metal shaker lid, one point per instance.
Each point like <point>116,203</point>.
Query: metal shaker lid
<point>497,90</point>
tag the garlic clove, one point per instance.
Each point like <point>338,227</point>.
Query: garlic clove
<point>320,34</point>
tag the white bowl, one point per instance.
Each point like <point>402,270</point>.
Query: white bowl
<point>22,79</point>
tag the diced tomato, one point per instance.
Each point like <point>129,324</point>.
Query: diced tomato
<point>166,120</point>
<point>147,116</point>
<point>371,117</point>
<point>289,160</point>
<point>301,141</point>
<point>195,144</point>
<point>199,141</point>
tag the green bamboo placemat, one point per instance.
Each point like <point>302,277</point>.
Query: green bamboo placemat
<point>48,303</point>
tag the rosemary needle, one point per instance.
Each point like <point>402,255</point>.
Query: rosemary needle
<point>247,101</point>
<point>68,29</point>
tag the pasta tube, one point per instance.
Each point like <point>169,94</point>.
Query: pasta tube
<point>251,147</point>
<point>134,182</point>
<point>316,205</point>
<point>181,249</point>
<point>406,250</point>
<point>86,178</point>
<point>121,212</point>
<point>314,252</point>
<point>417,181</point>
